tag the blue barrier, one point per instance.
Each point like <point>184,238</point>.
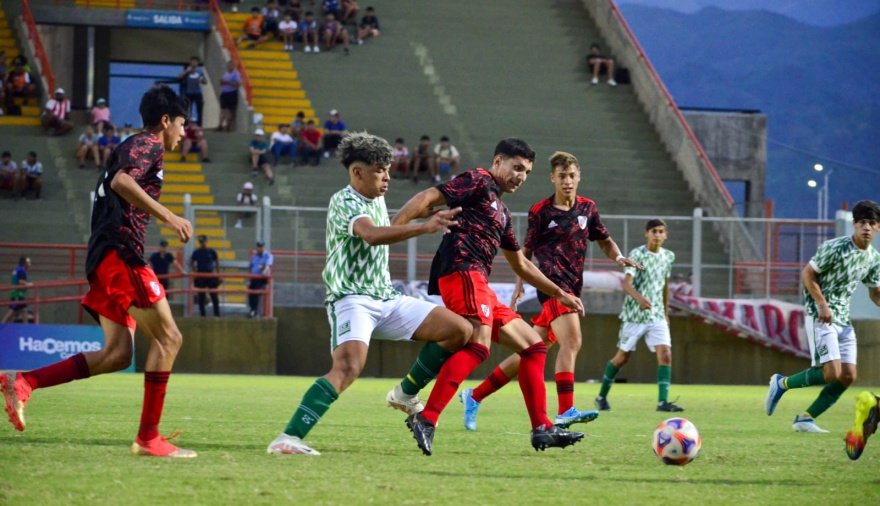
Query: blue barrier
<point>25,347</point>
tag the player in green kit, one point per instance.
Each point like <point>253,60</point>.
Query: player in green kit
<point>361,302</point>
<point>645,314</point>
<point>830,279</point>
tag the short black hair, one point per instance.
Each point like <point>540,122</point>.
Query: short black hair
<point>399,140</point>
<point>6,154</point>
<point>444,139</point>
<point>656,222</point>
<point>22,260</point>
<point>33,154</point>
<point>309,13</point>
<point>364,147</point>
<point>300,114</point>
<point>594,45</point>
<point>512,147</point>
<point>866,210</point>
<point>161,101</point>
<point>425,138</point>
<point>255,9</point>
<point>163,243</point>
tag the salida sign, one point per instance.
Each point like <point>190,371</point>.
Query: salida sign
<point>173,20</point>
<point>30,346</point>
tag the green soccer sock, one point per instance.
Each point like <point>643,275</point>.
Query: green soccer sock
<point>664,378</point>
<point>805,378</point>
<point>608,379</point>
<point>425,368</point>
<point>315,403</point>
<point>826,399</point>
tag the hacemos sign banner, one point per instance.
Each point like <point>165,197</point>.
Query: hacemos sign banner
<point>24,347</point>
<point>173,20</point>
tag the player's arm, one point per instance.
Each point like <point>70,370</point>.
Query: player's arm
<point>126,187</point>
<point>419,206</point>
<point>518,291</point>
<point>630,290</point>
<point>874,294</point>
<point>375,235</point>
<point>612,251</point>
<point>177,265</point>
<point>525,269</point>
<point>810,279</point>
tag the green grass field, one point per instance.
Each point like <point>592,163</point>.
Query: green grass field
<point>75,450</point>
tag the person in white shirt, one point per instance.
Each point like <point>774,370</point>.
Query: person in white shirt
<point>246,198</point>
<point>56,115</point>
<point>287,28</point>
<point>33,175</point>
<point>446,159</point>
<point>88,146</point>
<point>282,144</point>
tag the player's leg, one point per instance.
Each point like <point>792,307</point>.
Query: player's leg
<point>837,353</point>
<point>565,330</point>
<point>659,340</point>
<point>817,334</point>
<point>627,339</point>
<point>866,420</point>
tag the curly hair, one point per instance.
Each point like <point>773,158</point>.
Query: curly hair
<point>365,148</point>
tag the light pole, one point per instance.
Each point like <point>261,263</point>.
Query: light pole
<point>812,184</point>
<point>824,191</point>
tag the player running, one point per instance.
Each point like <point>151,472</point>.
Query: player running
<point>361,301</point>
<point>124,292</point>
<point>830,279</point>
<point>559,230</point>
<point>645,314</point>
<point>459,275</point>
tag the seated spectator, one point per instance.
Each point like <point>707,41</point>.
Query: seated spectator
<point>600,63</point>
<point>253,28</point>
<point>126,132</point>
<point>100,115</point>
<point>259,161</point>
<point>282,144</point>
<point>308,33</point>
<point>9,172</point>
<point>107,143</point>
<point>4,67</point>
<point>287,29</point>
<point>194,142</point>
<point>310,147</point>
<point>447,159</point>
<point>246,199</point>
<point>334,129</point>
<point>271,18</point>
<point>334,32</point>
<point>88,148</point>
<point>350,10</point>
<point>19,84</point>
<point>297,126</point>
<point>331,7</point>
<point>230,82</point>
<point>422,160</point>
<point>369,26</point>
<point>33,176</point>
<point>400,160</point>
<point>56,115</point>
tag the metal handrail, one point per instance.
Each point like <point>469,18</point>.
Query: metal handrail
<point>45,69</point>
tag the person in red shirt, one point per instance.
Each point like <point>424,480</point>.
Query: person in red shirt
<point>253,28</point>
<point>310,148</point>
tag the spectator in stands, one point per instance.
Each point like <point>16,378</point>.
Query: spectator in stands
<point>271,18</point>
<point>310,147</point>
<point>369,26</point>
<point>100,115</point>
<point>334,129</point>
<point>107,143</point>
<point>191,81</point>
<point>287,29</point>
<point>9,172</point>
<point>205,260</point>
<point>259,161</point>
<point>260,265</point>
<point>334,32</point>
<point>56,115</point>
<point>253,28</point>
<point>18,312</point>
<point>446,159</point>
<point>32,177</point>
<point>88,148</point>
<point>162,261</point>
<point>599,63</point>
<point>4,67</point>
<point>331,7</point>
<point>297,126</point>
<point>230,82</point>
<point>246,198</point>
<point>422,160</point>
<point>194,142</point>
<point>308,33</point>
<point>400,159</point>
<point>282,144</point>
<point>350,10</point>
<point>19,84</point>
<point>126,132</point>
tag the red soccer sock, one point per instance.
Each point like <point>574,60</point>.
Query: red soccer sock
<point>155,384</point>
<point>453,372</point>
<point>531,382</point>
<point>565,390</point>
<point>67,370</point>
<point>490,385</point>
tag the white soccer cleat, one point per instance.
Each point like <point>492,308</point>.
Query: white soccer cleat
<point>408,404</point>
<point>289,445</point>
<point>806,424</point>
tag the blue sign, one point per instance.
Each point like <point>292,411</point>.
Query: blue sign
<point>25,347</point>
<point>168,20</point>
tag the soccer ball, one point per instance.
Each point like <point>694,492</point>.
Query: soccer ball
<point>676,441</point>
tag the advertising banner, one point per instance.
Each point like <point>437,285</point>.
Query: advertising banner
<point>168,20</point>
<point>25,347</point>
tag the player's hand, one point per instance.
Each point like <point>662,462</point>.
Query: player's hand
<point>645,303</point>
<point>517,294</point>
<point>441,221</point>
<point>570,301</point>
<point>628,262</point>
<point>182,227</point>
<point>824,315</point>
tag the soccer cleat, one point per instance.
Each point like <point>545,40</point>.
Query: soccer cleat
<point>554,437</point>
<point>669,407</point>
<point>470,408</point>
<point>573,415</point>
<point>867,417</point>
<point>803,423</point>
<point>160,447</point>
<point>602,404</point>
<point>423,432</point>
<point>289,445</point>
<point>16,392</point>
<point>397,400</point>
<point>774,393</point>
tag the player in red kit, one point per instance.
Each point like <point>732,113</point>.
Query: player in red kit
<point>459,275</point>
<point>123,290</point>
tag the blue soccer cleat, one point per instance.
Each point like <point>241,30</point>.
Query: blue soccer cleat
<point>470,408</point>
<point>573,415</point>
<point>774,393</point>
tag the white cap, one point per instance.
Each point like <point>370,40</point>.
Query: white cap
<point>59,90</point>
<point>259,131</point>
<point>333,112</point>
<point>248,186</point>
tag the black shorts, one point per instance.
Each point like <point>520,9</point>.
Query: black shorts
<point>229,100</point>
<point>206,282</point>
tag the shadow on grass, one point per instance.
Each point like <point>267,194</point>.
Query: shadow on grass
<point>10,442</point>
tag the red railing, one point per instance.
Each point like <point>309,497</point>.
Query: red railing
<point>230,45</point>
<point>34,36</point>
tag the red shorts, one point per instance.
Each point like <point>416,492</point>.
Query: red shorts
<point>116,286</point>
<point>467,293</point>
<point>550,310</point>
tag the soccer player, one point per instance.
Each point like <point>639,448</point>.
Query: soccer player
<point>459,274</point>
<point>361,302</point>
<point>560,227</point>
<point>123,290</point>
<point>830,279</point>
<point>645,314</point>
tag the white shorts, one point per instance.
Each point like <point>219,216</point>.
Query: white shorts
<point>829,341</point>
<point>360,318</point>
<point>655,333</point>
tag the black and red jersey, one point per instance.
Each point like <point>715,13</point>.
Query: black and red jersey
<point>117,224</point>
<point>558,240</point>
<point>484,225</point>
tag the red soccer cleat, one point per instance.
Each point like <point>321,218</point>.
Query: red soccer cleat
<point>160,447</point>
<point>16,392</point>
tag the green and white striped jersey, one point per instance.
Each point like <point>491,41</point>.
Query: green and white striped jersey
<point>841,266</point>
<point>650,282</point>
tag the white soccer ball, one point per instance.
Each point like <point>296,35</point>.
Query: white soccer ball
<point>676,441</point>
